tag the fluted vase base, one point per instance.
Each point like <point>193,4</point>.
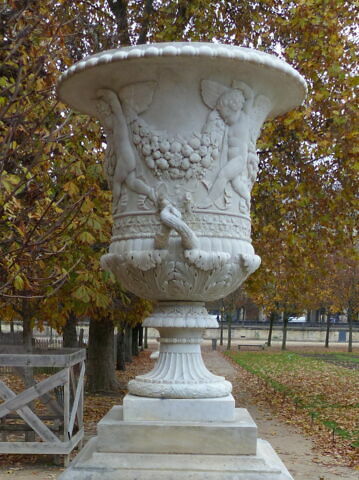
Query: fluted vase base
<point>180,371</point>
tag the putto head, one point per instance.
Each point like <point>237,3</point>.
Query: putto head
<point>229,105</point>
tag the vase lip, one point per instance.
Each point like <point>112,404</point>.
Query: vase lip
<point>225,53</point>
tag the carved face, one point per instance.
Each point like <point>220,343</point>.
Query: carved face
<point>229,106</point>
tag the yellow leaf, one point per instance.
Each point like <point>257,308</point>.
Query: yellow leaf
<point>86,237</point>
<point>71,188</point>
<point>18,282</point>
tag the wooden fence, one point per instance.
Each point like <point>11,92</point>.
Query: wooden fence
<point>61,431</point>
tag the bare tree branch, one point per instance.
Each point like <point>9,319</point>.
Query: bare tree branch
<point>145,22</point>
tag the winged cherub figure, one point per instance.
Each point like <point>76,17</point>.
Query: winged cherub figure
<point>120,162</point>
<point>237,117</point>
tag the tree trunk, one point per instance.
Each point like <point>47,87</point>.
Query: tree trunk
<point>69,334</point>
<point>221,333</point>
<point>285,329</point>
<point>128,344</point>
<point>121,363</point>
<point>229,332</point>
<point>135,340</point>
<point>140,337</point>
<point>221,328</point>
<point>327,331</point>
<point>350,325</point>
<point>27,340</point>
<point>27,335</point>
<point>271,322</point>
<point>145,342</point>
<point>101,365</point>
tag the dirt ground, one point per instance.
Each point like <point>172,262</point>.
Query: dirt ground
<point>295,450</point>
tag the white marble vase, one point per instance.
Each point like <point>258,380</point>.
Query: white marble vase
<point>181,122</point>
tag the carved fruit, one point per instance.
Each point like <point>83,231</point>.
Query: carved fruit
<point>203,151</point>
<point>195,158</point>
<point>144,132</point>
<point>135,128</point>
<point>206,161</point>
<point>215,154</point>
<point>150,162</point>
<point>136,139</point>
<point>146,149</point>
<point>162,164</point>
<point>164,146</point>
<point>194,142</point>
<point>187,150</point>
<point>176,147</point>
<point>185,164</point>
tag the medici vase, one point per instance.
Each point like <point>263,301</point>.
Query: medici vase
<point>181,122</point>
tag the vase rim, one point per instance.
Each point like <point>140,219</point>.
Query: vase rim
<point>70,86</point>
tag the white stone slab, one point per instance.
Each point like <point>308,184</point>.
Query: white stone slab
<point>93,465</point>
<point>187,410</point>
<point>232,438</point>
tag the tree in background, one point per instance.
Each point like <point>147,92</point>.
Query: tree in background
<point>129,317</point>
<point>54,217</point>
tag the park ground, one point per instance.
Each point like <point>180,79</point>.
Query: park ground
<point>309,449</point>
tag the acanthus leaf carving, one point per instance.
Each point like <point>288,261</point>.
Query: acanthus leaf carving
<point>206,260</point>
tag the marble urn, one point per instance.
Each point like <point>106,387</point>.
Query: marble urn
<point>181,123</point>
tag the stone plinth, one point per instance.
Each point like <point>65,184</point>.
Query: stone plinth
<point>181,409</point>
<point>146,440</point>
<point>91,464</point>
<point>238,437</point>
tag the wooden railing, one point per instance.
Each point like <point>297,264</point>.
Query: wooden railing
<point>62,393</point>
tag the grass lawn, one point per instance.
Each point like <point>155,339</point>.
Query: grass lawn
<point>317,391</point>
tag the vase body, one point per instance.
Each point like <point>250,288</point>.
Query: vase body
<point>181,122</point>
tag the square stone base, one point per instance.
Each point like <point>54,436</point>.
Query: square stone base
<point>224,438</point>
<point>91,464</point>
<point>176,450</point>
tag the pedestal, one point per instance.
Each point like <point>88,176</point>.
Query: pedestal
<point>177,439</point>
<point>180,371</point>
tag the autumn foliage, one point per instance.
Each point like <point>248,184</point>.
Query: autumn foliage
<point>55,221</point>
